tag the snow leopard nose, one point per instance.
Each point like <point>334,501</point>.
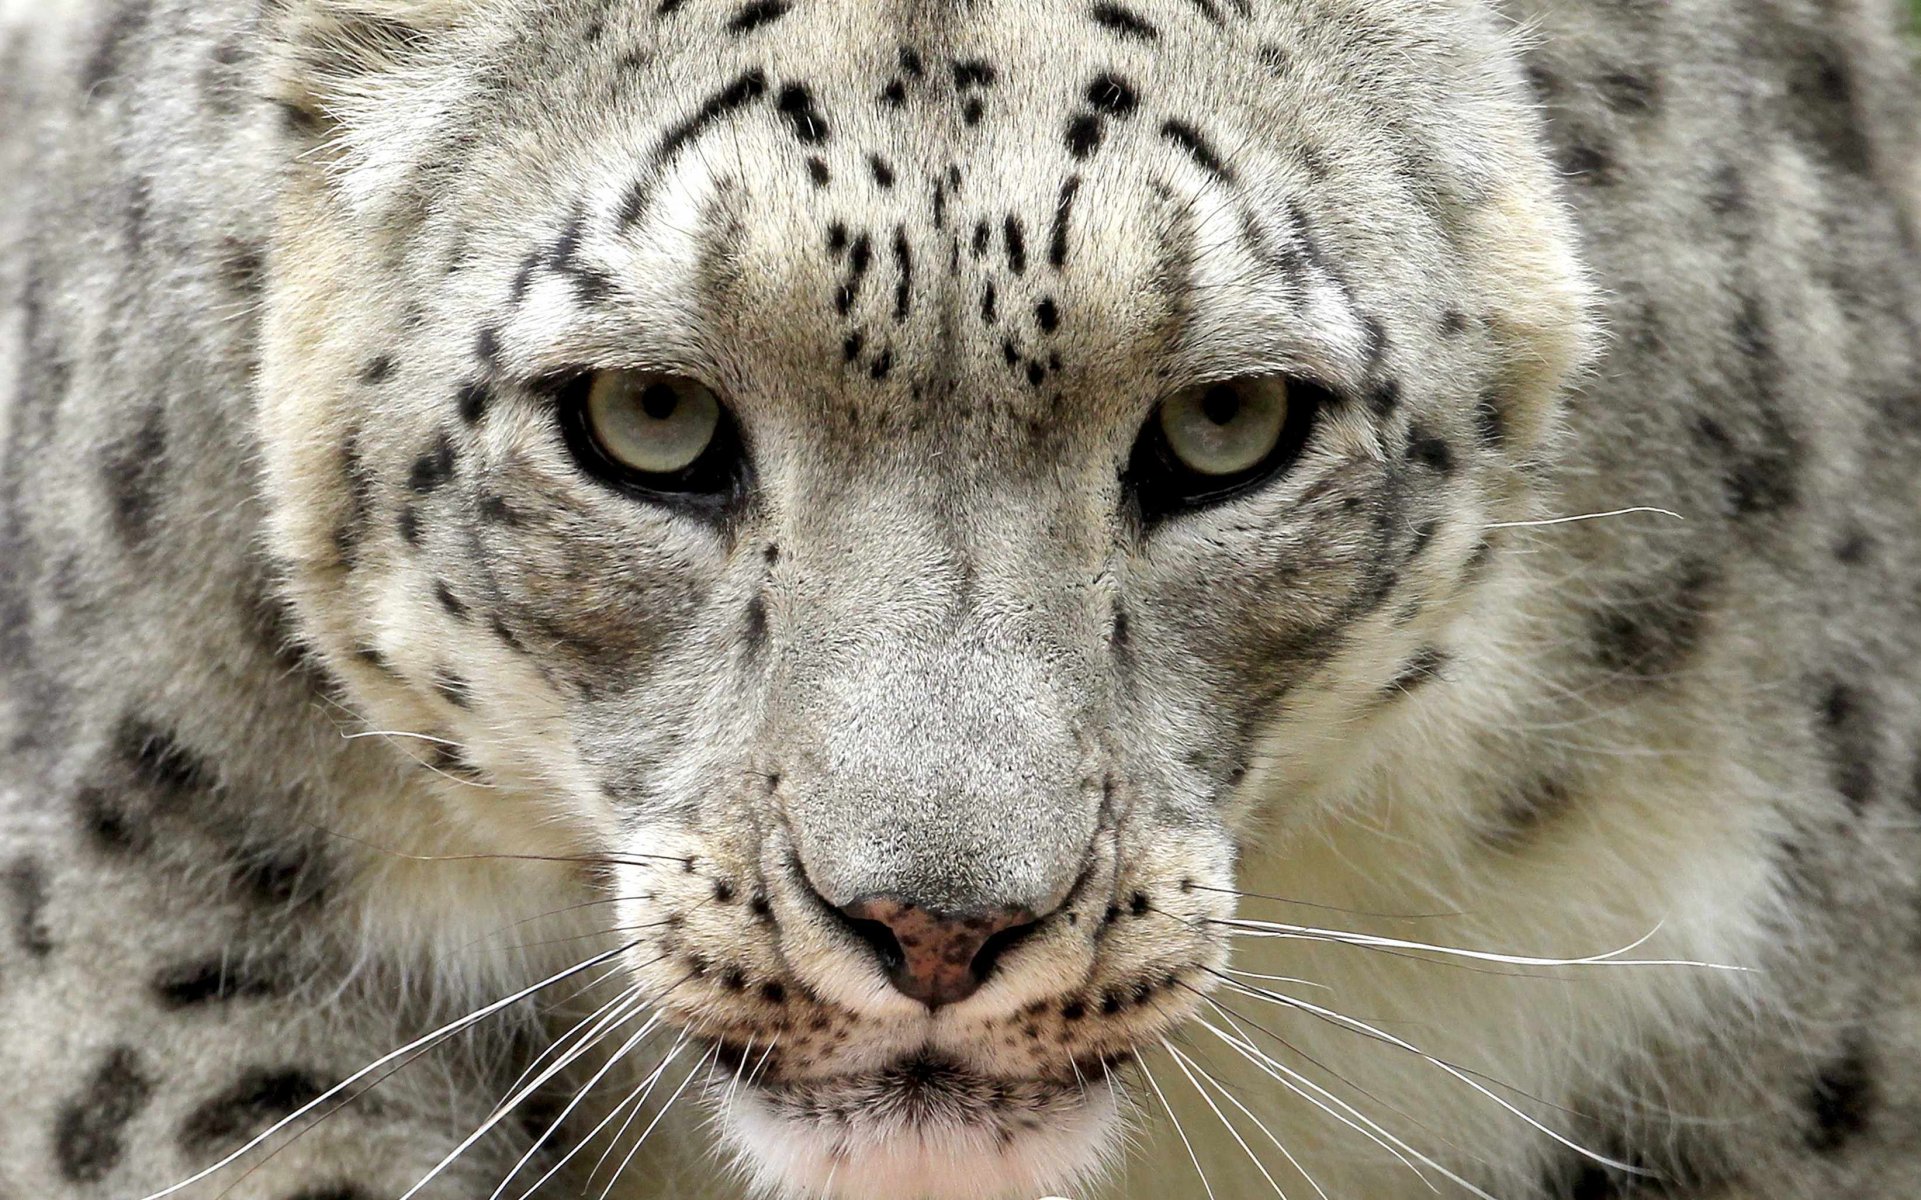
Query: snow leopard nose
<point>934,957</point>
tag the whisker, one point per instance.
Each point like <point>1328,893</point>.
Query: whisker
<point>428,1040</point>
<point>1192,1156</point>
<point>619,860</point>
<point>1462,1075</point>
<point>1354,912</point>
<point>1612,958</point>
<point>1337,1108</point>
<point>1183,1063</point>
<point>1228,1095</point>
<point>638,1099</point>
<point>613,1060</point>
<point>658,1117</point>
<point>1596,516</point>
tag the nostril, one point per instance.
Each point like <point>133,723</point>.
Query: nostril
<point>881,939</point>
<point>995,947</point>
<point>936,957</point>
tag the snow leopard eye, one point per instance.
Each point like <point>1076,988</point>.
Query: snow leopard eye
<point>662,435</point>
<point>1214,441</point>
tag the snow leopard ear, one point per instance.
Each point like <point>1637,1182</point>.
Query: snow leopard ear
<point>328,51</point>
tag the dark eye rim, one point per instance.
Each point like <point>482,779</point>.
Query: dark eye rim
<point>1161,486</point>
<point>711,483</point>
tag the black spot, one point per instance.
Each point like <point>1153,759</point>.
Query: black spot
<point>380,370</point>
<point>133,473</point>
<point>894,94</point>
<point>1384,396</point>
<point>109,824</point>
<point>1189,139</point>
<point>1209,10</point>
<point>836,239</point>
<point>1453,322</point>
<point>1842,1099</point>
<point>1036,374</point>
<point>773,992</point>
<point>882,170</point>
<point>280,877</point>
<point>859,258</point>
<point>990,302</point>
<point>972,110</point>
<point>1083,134</point>
<point>26,888</point>
<point>817,171</point>
<point>757,14</point>
<point>1425,667</point>
<point>1123,21</point>
<point>453,687</point>
<point>1063,217</point>
<point>974,73</point>
<point>454,605</point>
<point>487,346</point>
<point>257,1099</point>
<point>1649,632</point>
<point>850,346</point>
<point>1016,242</point>
<point>407,522</point>
<point>1047,315</point>
<point>1588,162</point>
<point>1112,96</point>
<point>1848,728</point>
<point>982,236</point>
<point>1630,92</point>
<point>217,980</point>
<point>158,760</point>
<point>473,399</point>
<point>755,632</point>
<point>904,267</point>
<point>89,1134</point>
<point>910,62</point>
<point>1430,450</point>
<point>882,365</point>
<point>433,468</point>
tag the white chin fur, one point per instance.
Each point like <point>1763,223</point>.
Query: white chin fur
<point>799,1160</point>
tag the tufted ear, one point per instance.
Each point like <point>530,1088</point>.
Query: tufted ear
<point>331,51</point>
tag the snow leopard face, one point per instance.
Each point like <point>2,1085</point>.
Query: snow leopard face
<point>903,490</point>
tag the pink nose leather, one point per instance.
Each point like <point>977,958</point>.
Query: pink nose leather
<point>939,957</point>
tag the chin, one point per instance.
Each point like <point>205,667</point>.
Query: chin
<point>923,1129</point>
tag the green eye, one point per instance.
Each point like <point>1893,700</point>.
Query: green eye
<point>1223,429</point>
<point>1210,443</point>
<point>665,438</point>
<point>651,424</point>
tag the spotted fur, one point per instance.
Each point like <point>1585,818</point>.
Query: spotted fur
<point>338,702</point>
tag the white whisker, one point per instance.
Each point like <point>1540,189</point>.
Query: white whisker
<point>1612,958</point>
<point>452,1027</point>
<point>613,1060</point>
<point>1228,1095</point>
<point>1184,1063</point>
<point>1596,516</point>
<point>1192,1156</point>
<point>1451,1069</point>
<point>658,1117</point>
<point>638,1099</point>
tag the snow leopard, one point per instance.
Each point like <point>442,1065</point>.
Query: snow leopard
<point>977,600</point>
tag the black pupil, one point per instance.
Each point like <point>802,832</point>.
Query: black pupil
<point>1221,405</point>
<point>659,400</point>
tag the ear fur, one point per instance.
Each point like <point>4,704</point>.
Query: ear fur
<point>327,50</point>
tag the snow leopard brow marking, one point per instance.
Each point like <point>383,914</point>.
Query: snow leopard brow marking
<point>1183,1062</point>
<point>423,1042</point>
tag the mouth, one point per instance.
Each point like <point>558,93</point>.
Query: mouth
<point>924,1127</point>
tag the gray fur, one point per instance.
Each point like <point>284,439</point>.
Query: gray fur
<point>285,288</point>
